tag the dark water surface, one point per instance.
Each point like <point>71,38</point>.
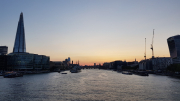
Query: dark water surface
<point>89,85</point>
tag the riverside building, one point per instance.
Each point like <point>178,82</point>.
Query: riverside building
<point>158,63</point>
<point>3,57</point>
<point>3,50</point>
<point>19,58</point>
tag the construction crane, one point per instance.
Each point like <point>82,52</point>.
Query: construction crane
<point>152,45</point>
<point>145,50</point>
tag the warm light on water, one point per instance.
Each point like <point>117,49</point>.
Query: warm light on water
<point>89,85</point>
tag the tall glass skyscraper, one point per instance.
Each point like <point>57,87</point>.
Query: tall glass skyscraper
<point>174,48</point>
<point>19,44</point>
<point>20,59</point>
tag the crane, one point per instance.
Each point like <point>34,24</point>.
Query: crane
<point>145,50</point>
<point>152,45</point>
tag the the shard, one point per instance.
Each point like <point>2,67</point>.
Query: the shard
<point>20,44</point>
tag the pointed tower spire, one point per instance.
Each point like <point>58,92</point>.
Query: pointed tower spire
<point>19,44</point>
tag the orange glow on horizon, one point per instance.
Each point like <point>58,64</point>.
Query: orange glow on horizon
<point>90,60</point>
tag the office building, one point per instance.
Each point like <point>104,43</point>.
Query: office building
<point>158,63</point>
<point>19,44</point>
<point>19,58</point>
<point>174,48</point>
<point>3,62</point>
<point>3,57</point>
<point>27,61</point>
<point>3,50</point>
<point>69,59</point>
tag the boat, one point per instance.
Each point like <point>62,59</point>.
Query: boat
<point>12,74</point>
<point>75,69</point>
<point>126,72</point>
<point>9,75</point>
<point>142,73</point>
<point>63,73</point>
<point>18,75</point>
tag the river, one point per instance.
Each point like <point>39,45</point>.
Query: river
<point>89,85</point>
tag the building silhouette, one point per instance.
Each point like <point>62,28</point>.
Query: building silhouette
<point>174,48</point>
<point>19,44</point>
<point>3,50</point>
<point>19,59</point>
<point>3,57</point>
<point>157,63</point>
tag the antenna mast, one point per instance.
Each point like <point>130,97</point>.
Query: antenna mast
<point>145,50</point>
<point>152,45</point>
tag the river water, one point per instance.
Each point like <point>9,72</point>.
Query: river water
<point>89,85</point>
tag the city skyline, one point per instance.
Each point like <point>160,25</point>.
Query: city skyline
<point>92,31</point>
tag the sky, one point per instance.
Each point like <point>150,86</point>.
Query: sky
<point>91,31</point>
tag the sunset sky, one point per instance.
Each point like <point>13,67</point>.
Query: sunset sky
<point>91,31</point>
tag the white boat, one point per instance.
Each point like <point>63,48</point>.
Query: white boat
<point>75,69</point>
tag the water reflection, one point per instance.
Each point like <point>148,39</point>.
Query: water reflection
<point>89,85</point>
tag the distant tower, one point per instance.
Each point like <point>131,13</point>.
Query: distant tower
<point>69,59</point>
<point>94,64</point>
<point>20,45</point>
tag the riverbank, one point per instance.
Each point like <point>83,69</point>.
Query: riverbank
<point>25,72</point>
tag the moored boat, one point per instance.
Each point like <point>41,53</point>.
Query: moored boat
<point>75,69</point>
<point>12,74</point>
<point>18,75</point>
<point>126,72</point>
<point>142,73</point>
<point>9,75</point>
